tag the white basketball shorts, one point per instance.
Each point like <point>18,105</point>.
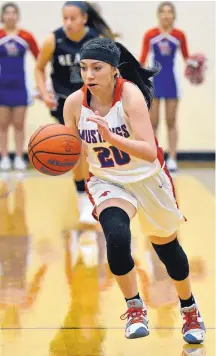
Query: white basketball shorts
<point>155,196</point>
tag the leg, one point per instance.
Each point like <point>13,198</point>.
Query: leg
<point>80,174</point>
<point>161,220</point>
<point>5,120</point>
<point>175,260</point>
<point>171,110</point>
<point>18,118</point>
<point>127,281</point>
<point>114,216</point>
<point>154,115</point>
<point>182,282</point>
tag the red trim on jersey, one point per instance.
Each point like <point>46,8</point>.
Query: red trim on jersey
<point>28,37</point>
<point>160,157</point>
<point>146,43</point>
<point>173,187</point>
<point>118,90</point>
<point>2,33</point>
<point>155,32</point>
<point>182,39</point>
<point>117,94</point>
<point>84,90</point>
<point>171,181</point>
<point>94,212</point>
<point>160,153</point>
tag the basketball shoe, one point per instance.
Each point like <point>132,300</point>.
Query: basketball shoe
<point>5,163</point>
<point>137,322</point>
<point>193,329</point>
<point>19,163</point>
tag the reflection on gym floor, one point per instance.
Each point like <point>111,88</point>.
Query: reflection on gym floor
<point>57,294</point>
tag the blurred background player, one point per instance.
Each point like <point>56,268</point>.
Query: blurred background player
<point>14,97</point>
<point>164,41</point>
<point>81,22</point>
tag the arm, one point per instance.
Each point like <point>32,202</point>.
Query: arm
<point>145,49</point>
<point>33,46</point>
<point>72,109</point>
<point>135,107</point>
<point>45,55</point>
<point>71,113</point>
<point>184,46</point>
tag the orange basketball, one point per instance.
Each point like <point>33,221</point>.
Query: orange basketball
<point>54,149</point>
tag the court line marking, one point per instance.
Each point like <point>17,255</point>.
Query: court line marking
<point>89,328</point>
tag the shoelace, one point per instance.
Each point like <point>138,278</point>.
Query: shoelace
<point>136,315</point>
<point>191,321</point>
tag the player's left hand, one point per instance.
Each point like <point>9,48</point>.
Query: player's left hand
<point>102,125</point>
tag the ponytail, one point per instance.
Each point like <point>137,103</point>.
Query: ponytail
<point>96,21</point>
<point>131,70</point>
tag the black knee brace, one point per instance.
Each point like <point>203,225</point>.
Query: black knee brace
<point>80,186</point>
<point>174,258</point>
<point>116,227</point>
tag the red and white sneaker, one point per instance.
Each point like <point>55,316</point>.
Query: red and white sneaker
<point>137,324</point>
<point>193,329</point>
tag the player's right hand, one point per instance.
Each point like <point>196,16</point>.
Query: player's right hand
<point>50,100</point>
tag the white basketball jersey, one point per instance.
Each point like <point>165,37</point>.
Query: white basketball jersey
<point>105,160</point>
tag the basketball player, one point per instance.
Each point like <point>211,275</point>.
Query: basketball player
<point>62,48</point>
<point>164,41</point>
<point>127,170</point>
<point>14,98</point>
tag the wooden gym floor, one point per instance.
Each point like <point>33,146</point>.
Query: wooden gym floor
<point>57,296</point>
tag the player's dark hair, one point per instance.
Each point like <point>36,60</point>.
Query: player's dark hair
<point>9,4</point>
<point>118,56</point>
<point>103,49</point>
<point>95,20</point>
<point>166,3</point>
<point>131,70</point>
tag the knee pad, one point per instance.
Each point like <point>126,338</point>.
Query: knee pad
<point>116,227</point>
<point>80,185</point>
<point>174,258</point>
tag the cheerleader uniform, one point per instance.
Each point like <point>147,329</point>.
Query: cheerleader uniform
<point>164,47</point>
<point>13,48</point>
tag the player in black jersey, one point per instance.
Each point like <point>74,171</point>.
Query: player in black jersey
<point>81,22</point>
